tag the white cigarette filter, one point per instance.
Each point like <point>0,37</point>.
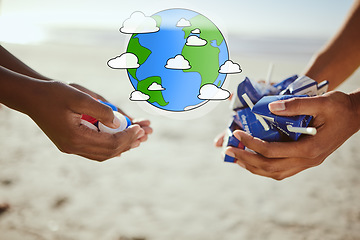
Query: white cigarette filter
<point>248,100</point>
<point>303,130</point>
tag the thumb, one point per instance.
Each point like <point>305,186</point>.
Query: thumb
<point>100,111</point>
<point>296,106</point>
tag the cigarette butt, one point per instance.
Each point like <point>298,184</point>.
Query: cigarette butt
<point>263,122</point>
<point>304,130</point>
<point>248,100</point>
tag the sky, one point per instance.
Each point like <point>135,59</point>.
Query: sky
<point>285,18</point>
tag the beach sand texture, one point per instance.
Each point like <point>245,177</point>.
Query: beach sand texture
<point>175,186</point>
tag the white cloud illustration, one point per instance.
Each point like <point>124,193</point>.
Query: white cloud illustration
<point>196,31</point>
<point>212,92</point>
<point>195,41</point>
<point>155,87</point>
<point>183,23</point>
<point>178,62</point>
<point>138,96</point>
<point>139,23</point>
<point>124,61</point>
<point>230,67</point>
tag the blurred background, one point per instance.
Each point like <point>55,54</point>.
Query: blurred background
<point>257,22</point>
<point>174,186</point>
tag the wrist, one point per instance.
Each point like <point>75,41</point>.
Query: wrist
<point>17,91</point>
<point>355,102</point>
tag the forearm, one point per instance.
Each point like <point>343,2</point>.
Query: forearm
<point>9,61</point>
<point>341,56</point>
<point>18,91</point>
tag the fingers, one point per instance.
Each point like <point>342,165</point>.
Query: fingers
<point>277,169</point>
<point>89,106</point>
<point>102,146</point>
<point>256,160</point>
<point>280,175</point>
<point>219,139</point>
<point>298,106</point>
<point>303,148</point>
<point>85,90</point>
<point>277,160</point>
<point>145,125</point>
<point>99,97</point>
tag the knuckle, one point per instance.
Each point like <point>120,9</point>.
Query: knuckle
<point>106,156</point>
<point>113,144</point>
<point>278,177</point>
<point>70,145</point>
<point>294,104</point>
<point>67,149</point>
<point>106,110</point>
<point>118,144</point>
<point>268,167</point>
<point>266,150</point>
<point>326,104</point>
<point>102,158</point>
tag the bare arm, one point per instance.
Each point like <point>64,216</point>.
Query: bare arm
<point>57,109</point>
<point>336,115</point>
<point>9,61</point>
<point>341,55</point>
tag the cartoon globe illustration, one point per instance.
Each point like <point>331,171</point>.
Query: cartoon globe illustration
<point>181,60</point>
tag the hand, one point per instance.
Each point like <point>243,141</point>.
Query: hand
<point>219,139</point>
<point>336,118</point>
<point>57,109</point>
<point>144,124</point>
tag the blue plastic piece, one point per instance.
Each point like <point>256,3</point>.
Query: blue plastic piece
<point>281,122</point>
<point>113,107</point>
<point>248,122</point>
<point>247,87</point>
<point>229,159</point>
<point>285,83</point>
<point>128,121</point>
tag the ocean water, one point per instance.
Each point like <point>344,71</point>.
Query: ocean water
<point>278,47</point>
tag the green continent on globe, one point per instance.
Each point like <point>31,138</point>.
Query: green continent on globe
<point>155,96</point>
<point>142,54</point>
<point>204,59</point>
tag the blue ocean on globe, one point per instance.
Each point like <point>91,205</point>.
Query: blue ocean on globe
<point>180,87</point>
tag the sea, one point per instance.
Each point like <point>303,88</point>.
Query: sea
<point>274,47</point>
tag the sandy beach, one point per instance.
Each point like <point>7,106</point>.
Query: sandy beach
<point>175,186</point>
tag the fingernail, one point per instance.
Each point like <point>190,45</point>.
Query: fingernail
<point>277,106</point>
<point>141,133</point>
<point>229,152</point>
<point>237,135</point>
<point>229,156</point>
